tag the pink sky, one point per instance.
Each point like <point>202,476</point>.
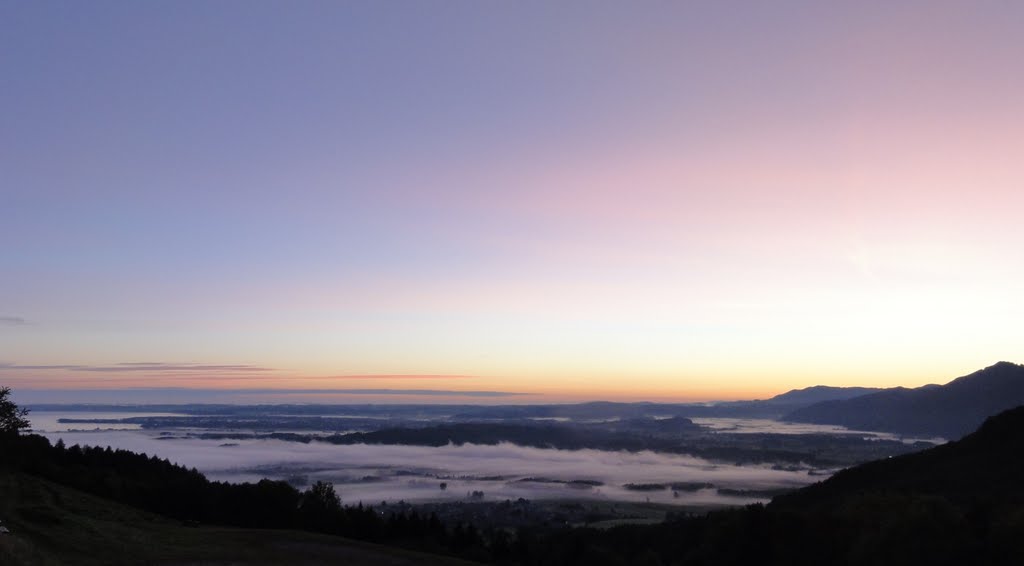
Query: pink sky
<point>576,201</point>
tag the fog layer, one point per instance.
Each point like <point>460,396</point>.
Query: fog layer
<point>375,473</point>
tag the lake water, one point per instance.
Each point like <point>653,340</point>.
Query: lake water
<point>47,421</point>
<point>755,426</point>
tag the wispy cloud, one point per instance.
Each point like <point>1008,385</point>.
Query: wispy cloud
<point>401,376</point>
<point>142,367</point>
<point>420,392</point>
<point>6,320</point>
<point>144,377</point>
<point>273,391</point>
<point>70,393</point>
<point>206,368</point>
<point>192,371</point>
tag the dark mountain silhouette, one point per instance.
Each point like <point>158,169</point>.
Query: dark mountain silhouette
<point>959,503</point>
<point>819,393</point>
<point>950,411</point>
<point>984,468</point>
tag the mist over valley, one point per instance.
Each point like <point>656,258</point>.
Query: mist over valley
<point>611,452</point>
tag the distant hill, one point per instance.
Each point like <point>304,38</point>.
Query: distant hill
<point>772,408</point>
<point>950,411</point>
<point>819,393</point>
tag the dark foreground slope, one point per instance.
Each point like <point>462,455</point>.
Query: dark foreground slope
<point>960,503</point>
<point>186,496</point>
<point>950,411</point>
<point>55,525</point>
<point>983,471</point>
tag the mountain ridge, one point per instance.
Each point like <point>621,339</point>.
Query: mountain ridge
<point>950,410</point>
<point>819,393</point>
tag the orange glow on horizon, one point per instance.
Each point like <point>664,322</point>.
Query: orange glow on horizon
<point>472,389</point>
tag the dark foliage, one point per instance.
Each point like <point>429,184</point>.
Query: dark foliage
<point>155,484</point>
<point>12,418</point>
<point>806,449</point>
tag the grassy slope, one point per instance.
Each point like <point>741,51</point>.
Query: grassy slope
<point>55,525</point>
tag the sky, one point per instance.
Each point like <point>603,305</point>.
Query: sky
<point>509,201</point>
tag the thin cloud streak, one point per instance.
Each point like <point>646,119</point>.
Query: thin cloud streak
<point>199,377</point>
<point>424,392</point>
<point>187,370</point>
<point>219,379</point>
<point>140,367</point>
<point>12,321</point>
<point>401,376</point>
<point>271,391</point>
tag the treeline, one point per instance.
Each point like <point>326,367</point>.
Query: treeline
<point>814,450</point>
<point>157,485</point>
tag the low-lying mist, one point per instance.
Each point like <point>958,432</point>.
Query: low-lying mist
<point>375,473</point>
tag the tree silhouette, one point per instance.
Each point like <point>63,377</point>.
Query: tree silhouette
<point>320,508</point>
<point>322,495</point>
<point>12,418</point>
